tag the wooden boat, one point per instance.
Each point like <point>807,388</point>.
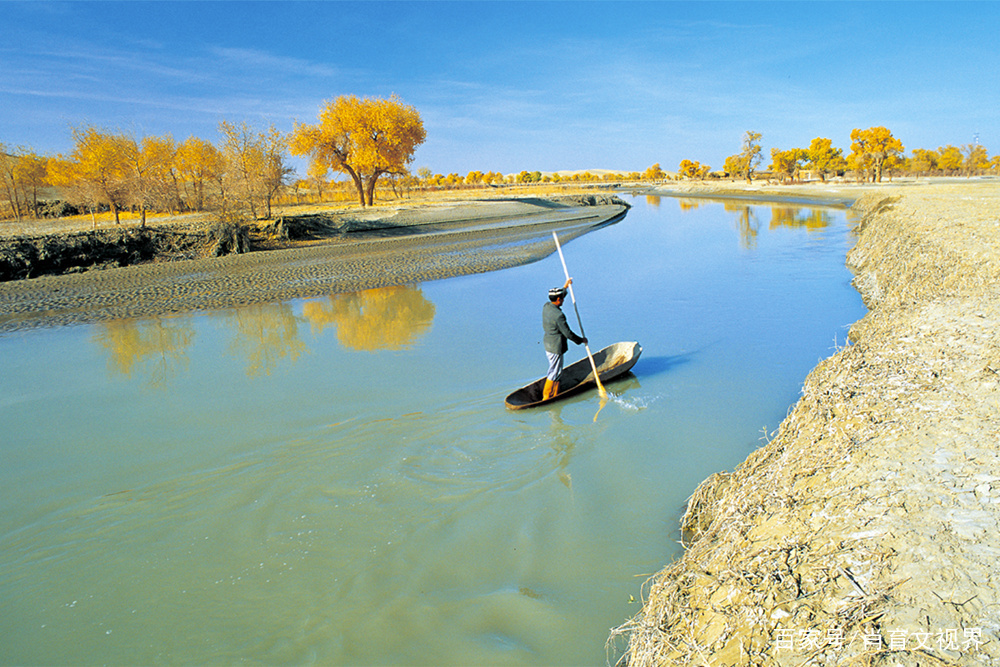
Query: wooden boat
<point>611,362</point>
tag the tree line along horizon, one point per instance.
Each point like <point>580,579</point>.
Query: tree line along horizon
<point>372,142</point>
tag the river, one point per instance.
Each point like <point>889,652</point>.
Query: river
<point>337,481</point>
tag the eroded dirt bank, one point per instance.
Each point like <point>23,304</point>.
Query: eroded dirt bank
<point>867,531</point>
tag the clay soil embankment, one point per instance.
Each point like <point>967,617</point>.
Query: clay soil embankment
<point>867,530</point>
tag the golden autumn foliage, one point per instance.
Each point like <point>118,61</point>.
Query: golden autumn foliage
<point>97,168</point>
<point>824,159</point>
<point>745,162</point>
<point>363,138</point>
<point>789,162</point>
<point>693,169</point>
<point>976,159</point>
<point>949,159</point>
<point>872,150</point>
<point>368,139</point>
<point>924,161</point>
<point>117,170</point>
<point>23,174</point>
<point>256,166</point>
<point>654,173</point>
<point>149,173</point>
<point>199,163</point>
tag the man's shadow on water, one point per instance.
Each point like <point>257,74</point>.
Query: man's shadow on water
<point>651,366</point>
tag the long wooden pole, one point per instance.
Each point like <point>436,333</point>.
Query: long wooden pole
<point>597,378</point>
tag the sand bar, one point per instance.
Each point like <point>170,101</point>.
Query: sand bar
<point>368,249</point>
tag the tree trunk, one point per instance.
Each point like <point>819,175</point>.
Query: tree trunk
<point>11,187</point>
<point>175,205</point>
<point>358,184</point>
<point>370,194</point>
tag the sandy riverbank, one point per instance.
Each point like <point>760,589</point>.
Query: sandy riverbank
<point>867,530</point>
<point>336,253</point>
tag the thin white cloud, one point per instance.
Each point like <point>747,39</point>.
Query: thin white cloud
<point>257,59</point>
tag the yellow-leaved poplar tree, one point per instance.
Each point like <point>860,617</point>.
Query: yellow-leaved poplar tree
<point>654,173</point>
<point>823,158</point>
<point>788,163</point>
<point>977,160</point>
<point>745,162</point>
<point>950,159</point>
<point>148,165</point>
<point>255,165</point>
<point>97,167</point>
<point>693,169</point>
<point>872,149</point>
<point>363,138</point>
<point>924,161</point>
<point>199,163</point>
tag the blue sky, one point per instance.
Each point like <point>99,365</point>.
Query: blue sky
<point>513,85</point>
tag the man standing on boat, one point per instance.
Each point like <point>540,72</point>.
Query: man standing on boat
<point>556,332</point>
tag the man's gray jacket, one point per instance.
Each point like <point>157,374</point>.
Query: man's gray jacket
<point>556,329</point>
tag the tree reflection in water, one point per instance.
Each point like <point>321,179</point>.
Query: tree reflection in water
<point>264,335</point>
<point>811,219</point>
<point>385,318</point>
<point>808,218</point>
<point>158,347</point>
<point>746,221</point>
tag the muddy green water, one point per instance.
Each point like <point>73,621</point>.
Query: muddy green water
<point>336,480</point>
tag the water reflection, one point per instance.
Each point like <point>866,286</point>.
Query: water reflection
<point>809,218</point>
<point>746,222</point>
<point>264,335</point>
<point>157,347</point>
<point>385,318</point>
